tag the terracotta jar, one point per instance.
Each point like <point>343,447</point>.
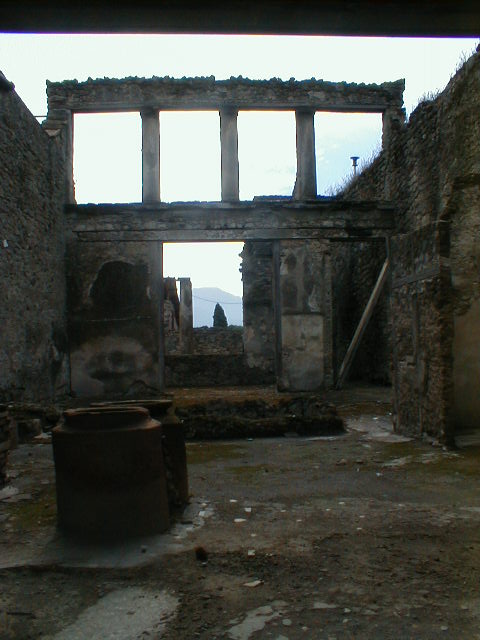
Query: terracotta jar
<point>110,473</point>
<point>174,451</point>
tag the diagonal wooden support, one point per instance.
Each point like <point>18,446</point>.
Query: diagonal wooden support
<point>362,325</point>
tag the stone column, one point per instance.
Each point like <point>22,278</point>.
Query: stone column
<point>157,271</point>
<point>229,152</point>
<point>186,316</point>
<point>70,185</point>
<point>60,122</point>
<point>393,119</point>
<point>306,182</point>
<point>303,310</point>
<point>150,156</point>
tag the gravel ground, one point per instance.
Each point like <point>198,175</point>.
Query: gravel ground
<point>363,535</point>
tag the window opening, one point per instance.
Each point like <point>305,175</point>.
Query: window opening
<point>189,156</point>
<point>338,136</point>
<point>267,153</point>
<point>107,157</point>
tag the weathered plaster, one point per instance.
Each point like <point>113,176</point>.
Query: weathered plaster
<point>115,317</point>
<point>303,313</point>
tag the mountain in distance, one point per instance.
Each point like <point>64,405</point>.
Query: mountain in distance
<point>204,301</point>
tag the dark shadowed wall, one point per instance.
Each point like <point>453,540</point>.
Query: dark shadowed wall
<point>33,362</point>
<point>430,168</point>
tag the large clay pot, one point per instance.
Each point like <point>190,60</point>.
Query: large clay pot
<point>110,473</point>
<point>174,451</point>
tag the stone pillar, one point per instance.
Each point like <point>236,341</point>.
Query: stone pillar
<point>186,316</point>
<point>60,123</point>
<point>392,121</point>
<point>306,182</point>
<point>303,315</point>
<point>258,311</point>
<point>150,156</point>
<point>70,185</point>
<point>157,282</point>
<point>229,152</point>
<point>392,118</point>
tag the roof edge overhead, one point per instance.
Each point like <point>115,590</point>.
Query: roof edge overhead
<point>287,17</point>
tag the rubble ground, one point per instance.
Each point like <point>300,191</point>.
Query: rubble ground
<point>363,535</point>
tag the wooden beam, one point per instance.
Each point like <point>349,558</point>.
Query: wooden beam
<point>362,325</point>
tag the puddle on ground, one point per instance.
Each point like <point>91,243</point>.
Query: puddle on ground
<point>256,620</point>
<point>25,512</point>
<point>364,409</point>
<point>204,452</point>
<point>423,458</point>
<point>253,472</point>
<point>415,456</point>
<point>377,427</point>
<point>122,615</point>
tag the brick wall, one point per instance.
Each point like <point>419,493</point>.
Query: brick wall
<point>33,364</point>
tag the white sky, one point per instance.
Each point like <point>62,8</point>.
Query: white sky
<point>107,148</point>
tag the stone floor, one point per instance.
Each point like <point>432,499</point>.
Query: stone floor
<point>365,535</point>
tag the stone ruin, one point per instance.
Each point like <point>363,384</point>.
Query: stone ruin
<point>393,259</point>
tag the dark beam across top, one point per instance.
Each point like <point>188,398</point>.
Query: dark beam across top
<point>216,222</point>
<point>309,17</point>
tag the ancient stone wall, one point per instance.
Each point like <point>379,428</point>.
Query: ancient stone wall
<point>208,341</point>
<point>33,362</point>
<point>214,370</point>
<point>114,316</point>
<point>431,170</point>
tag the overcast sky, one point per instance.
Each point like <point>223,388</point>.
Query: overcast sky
<point>108,148</point>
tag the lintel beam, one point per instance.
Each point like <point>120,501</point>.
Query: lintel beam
<point>163,94</point>
<point>217,222</point>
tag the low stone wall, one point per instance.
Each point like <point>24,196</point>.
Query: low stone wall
<point>213,370</point>
<point>218,340</point>
<point>300,414</point>
<point>208,341</point>
<point>28,420</point>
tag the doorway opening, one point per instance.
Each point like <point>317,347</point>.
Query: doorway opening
<point>214,271</point>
